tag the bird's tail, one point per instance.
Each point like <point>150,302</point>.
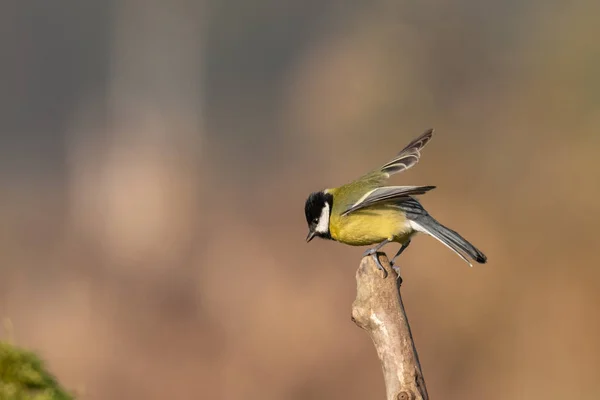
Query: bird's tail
<point>427,224</point>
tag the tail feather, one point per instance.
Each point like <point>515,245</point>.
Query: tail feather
<point>450,238</point>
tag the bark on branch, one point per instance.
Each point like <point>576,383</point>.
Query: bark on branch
<point>378,309</point>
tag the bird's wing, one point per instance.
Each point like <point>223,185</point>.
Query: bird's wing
<point>404,160</point>
<point>354,192</point>
<point>386,194</point>
<point>409,156</point>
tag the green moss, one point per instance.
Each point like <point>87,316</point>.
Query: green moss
<point>23,377</point>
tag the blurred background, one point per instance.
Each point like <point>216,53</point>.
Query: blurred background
<point>155,158</point>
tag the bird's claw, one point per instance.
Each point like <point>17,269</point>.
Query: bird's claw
<point>378,264</point>
<point>397,269</point>
<point>373,252</point>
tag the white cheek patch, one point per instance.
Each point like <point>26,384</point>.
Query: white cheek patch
<point>323,225</point>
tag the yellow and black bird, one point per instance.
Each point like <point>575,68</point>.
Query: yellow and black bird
<point>365,212</point>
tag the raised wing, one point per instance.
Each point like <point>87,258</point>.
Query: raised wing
<point>409,156</point>
<point>354,192</point>
<point>386,194</point>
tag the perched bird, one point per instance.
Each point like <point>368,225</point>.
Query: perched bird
<point>365,212</point>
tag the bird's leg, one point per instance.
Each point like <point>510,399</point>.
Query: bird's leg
<point>375,249</point>
<point>402,248</point>
<point>373,252</point>
<point>396,267</point>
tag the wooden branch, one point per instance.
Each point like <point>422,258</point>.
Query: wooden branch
<point>378,309</point>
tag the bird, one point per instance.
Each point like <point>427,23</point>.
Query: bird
<point>365,212</point>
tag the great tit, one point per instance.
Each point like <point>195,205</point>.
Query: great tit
<point>365,212</point>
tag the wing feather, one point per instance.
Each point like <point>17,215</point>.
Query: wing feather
<point>386,194</point>
<point>408,156</point>
<point>356,192</point>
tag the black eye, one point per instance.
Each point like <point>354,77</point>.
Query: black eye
<point>316,221</point>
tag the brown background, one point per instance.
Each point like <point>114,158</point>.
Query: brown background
<point>155,158</point>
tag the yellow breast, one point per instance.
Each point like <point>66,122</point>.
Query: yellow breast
<point>370,226</point>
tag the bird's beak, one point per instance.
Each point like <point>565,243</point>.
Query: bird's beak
<point>310,236</point>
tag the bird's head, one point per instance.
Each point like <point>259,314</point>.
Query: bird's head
<point>318,210</point>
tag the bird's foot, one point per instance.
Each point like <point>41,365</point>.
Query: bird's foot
<point>397,269</point>
<point>373,252</point>
<point>369,252</point>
